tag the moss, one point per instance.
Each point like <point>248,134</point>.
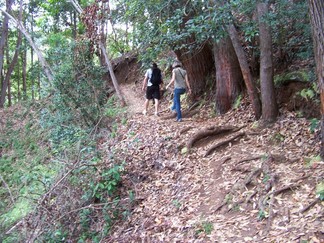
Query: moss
<point>300,75</point>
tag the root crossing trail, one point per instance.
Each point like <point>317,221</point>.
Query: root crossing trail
<point>248,188</point>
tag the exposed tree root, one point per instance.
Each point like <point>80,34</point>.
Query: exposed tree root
<point>227,141</point>
<point>209,131</point>
<point>281,190</point>
<point>248,159</point>
<point>182,131</point>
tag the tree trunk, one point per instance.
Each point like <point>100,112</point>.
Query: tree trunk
<point>249,82</point>
<point>9,93</point>
<point>45,66</point>
<point>18,79</point>
<point>198,64</point>
<point>317,21</point>
<point>228,75</point>
<point>24,74</point>
<point>269,104</point>
<point>3,41</point>
<point>113,77</point>
<point>108,63</point>
<point>6,83</point>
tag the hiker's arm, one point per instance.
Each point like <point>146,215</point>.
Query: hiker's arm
<point>144,83</point>
<point>172,80</point>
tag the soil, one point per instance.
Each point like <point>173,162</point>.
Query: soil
<point>255,188</point>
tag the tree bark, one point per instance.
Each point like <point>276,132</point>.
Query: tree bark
<point>113,77</point>
<point>198,64</point>
<point>269,104</point>
<point>249,82</point>
<point>6,82</point>
<point>317,21</point>
<point>3,41</point>
<point>24,75</point>
<point>228,75</point>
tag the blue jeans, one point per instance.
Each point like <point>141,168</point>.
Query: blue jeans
<point>176,101</point>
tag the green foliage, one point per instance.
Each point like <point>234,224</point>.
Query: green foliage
<point>266,178</point>
<point>311,161</point>
<point>314,125</point>
<point>176,203</point>
<point>301,75</point>
<point>108,183</point>
<point>237,102</point>
<point>278,138</point>
<point>112,109</point>
<point>24,167</point>
<point>307,94</point>
<point>262,215</point>
<point>205,227</point>
<point>78,89</point>
<point>320,190</point>
<point>59,235</point>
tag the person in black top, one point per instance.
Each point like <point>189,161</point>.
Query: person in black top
<point>152,81</point>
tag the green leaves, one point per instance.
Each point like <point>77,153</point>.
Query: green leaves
<point>107,185</point>
<point>320,190</point>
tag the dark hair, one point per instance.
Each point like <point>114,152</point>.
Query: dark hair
<point>154,65</point>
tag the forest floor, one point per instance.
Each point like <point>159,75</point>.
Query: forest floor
<point>212,178</point>
<point>217,178</point>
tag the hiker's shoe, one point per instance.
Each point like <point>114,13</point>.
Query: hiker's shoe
<point>179,120</point>
<point>156,114</point>
<point>144,112</point>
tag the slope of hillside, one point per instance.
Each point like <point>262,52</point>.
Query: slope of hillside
<point>218,178</point>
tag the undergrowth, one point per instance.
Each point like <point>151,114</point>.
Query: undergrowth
<point>53,174</point>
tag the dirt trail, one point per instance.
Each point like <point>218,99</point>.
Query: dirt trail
<point>235,194</point>
<point>134,98</point>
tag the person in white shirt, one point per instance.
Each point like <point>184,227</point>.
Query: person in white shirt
<point>152,81</point>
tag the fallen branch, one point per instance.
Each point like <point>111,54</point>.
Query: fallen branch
<point>185,129</point>
<point>215,146</point>
<point>316,200</point>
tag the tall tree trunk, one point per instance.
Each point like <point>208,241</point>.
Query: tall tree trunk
<point>32,56</point>
<point>3,41</point>
<point>197,65</point>
<point>24,73</point>
<point>9,93</point>
<point>249,82</point>
<point>6,82</point>
<point>316,8</point>
<point>269,104</point>
<point>108,63</point>
<point>228,75</point>
<point>18,79</point>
